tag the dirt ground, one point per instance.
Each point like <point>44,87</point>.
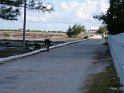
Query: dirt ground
<point>17,35</point>
<point>102,81</point>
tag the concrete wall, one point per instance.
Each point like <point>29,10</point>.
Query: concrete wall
<point>116,43</point>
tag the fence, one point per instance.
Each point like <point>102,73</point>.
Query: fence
<point>116,43</point>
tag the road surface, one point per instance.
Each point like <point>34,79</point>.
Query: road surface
<point>62,70</point>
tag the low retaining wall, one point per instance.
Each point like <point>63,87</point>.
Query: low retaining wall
<point>116,43</point>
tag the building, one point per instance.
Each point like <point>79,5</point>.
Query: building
<point>93,30</point>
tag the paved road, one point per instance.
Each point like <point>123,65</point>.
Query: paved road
<point>62,70</point>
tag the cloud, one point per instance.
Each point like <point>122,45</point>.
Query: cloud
<point>68,12</point>
<point>36,19</point>
<point>103,6</point>
<point>85,11</point>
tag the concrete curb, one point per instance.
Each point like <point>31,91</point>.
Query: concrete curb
<point>36,51</point>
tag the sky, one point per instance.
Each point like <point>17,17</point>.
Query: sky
<point>66,13</point>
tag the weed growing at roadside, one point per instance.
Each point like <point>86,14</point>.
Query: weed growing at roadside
<point>104,81</point>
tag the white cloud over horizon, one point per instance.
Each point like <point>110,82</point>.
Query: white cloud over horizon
<point>69,13</point>
<point>73,11</point>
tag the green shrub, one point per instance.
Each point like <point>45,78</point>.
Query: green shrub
<point>75,30</point>
<point>37,46</point>
<point>86,37</point>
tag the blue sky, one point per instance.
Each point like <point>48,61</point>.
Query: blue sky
<point>67,13</point>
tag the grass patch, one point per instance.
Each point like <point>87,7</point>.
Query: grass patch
<point>86,37</point>
<point>2,63</point>
<point>12,53</point>
<point>106,81</point>
<point>102,82</point>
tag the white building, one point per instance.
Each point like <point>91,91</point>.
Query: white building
<point>93,30</point>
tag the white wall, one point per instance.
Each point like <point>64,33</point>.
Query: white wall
<point>116,43</point>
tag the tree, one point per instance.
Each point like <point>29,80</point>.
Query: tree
<point>102,30</point>
<point>75,30</point>
<point>11,9</point>
<point>114,17</point>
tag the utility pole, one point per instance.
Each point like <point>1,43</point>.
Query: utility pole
<point>24,24</point>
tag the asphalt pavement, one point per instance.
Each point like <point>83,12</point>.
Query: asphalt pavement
<point>61,70</point>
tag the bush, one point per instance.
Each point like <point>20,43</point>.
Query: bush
<point>75,30</point>
<point>37,46</point>
<point>86,37</point>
